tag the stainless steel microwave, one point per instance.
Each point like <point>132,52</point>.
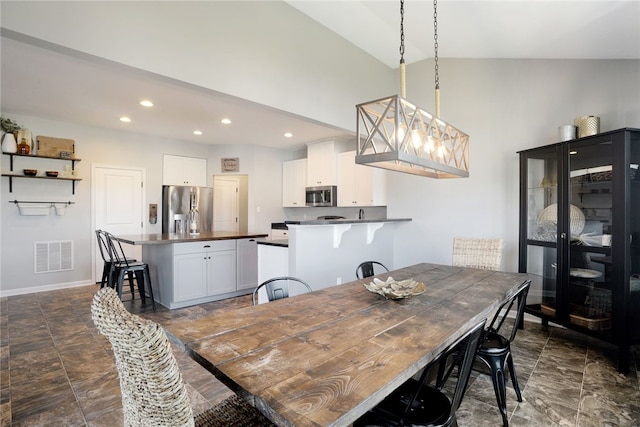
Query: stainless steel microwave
<point>321,196</point>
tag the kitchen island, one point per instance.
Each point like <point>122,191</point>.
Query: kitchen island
<point>193,269</point>
<point>326,253</point>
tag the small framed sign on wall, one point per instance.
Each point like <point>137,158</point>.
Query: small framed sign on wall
<point>230,164</point>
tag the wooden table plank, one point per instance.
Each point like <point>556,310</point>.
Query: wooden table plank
<point>325,358</point>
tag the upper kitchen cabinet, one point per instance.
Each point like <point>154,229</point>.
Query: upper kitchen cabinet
<point>360,185</point>
<point>181,170</point>
<point>321,164</point>
<point>580,235</point>
<point>294,181</point>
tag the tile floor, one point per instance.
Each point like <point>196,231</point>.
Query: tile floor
<point>55,369</point>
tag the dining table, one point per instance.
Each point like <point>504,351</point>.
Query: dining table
<point>326,357</point>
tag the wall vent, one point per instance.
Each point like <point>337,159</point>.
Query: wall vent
<point>53,256</point>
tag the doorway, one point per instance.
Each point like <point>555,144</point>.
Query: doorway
<point>117,206</point>
<point>230,203</point>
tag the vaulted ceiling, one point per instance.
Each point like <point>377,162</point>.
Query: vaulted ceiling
<point>52,84</point>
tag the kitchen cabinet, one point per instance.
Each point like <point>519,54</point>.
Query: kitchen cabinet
<point>13,175</point>
<point>181,170</point>
<point>580,235</point>
<point>203,269</point>
<point>359,185</point>
<point>321,164</point>
<point>294,182</point>
<point>247,262</point>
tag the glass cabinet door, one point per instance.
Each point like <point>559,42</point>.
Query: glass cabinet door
<point>634,238</point>
<point>541,218</point>
<point>590,224</point>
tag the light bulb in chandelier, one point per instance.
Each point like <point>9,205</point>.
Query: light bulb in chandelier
<point>417,135</point>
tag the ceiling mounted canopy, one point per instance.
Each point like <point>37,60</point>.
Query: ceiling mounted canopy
<point>397,135</point>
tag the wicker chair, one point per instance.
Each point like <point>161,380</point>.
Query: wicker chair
<point>477,253</point>
<point>153,393</point>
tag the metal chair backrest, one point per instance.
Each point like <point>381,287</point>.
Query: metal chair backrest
<point>520,296</point>
<point>366,269</point>
<point>278,288</point>
<point>115,250</point>
<point>477,253</point>
<point>103,246</point>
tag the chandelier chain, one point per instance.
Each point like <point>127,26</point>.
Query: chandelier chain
<point>401,31</point>
<point>435,41</point>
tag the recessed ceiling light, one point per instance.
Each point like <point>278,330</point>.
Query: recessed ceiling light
<point>225,121</point>
<point>197,132</point>
<point>125,119</point>
<point>288,135</point>
<point>146,103</point>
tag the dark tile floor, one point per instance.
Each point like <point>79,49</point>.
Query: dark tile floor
<point>55,369</point>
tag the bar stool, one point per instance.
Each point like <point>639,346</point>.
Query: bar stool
<point>121,266</point>
<point>107,258</point>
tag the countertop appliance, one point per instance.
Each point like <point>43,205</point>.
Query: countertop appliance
<point>178,201</point>
<point>323,196</point>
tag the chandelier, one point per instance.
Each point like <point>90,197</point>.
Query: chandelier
<point>397,135</point>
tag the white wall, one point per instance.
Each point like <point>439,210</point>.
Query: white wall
<point>505,106</point>
<point>98,146</point>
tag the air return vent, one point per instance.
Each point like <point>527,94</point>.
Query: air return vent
<point>53,256</point>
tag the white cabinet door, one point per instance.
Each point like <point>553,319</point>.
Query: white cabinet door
<point>189,276</point>
<point>221,272</point>
<point>181,170</point>
<point>321,166</point>
<point>247,263</point>
<point>359,185</point>
<point>294,181</point>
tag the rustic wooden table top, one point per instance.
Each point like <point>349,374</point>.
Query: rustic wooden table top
<point>325,358</point>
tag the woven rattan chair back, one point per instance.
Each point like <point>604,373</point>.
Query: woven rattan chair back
<point>477,253</point>
<point>153,393</point>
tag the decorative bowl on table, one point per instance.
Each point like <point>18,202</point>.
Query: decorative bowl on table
<point>393,289</point>
<point>30,172</point>
<point>52,174</point>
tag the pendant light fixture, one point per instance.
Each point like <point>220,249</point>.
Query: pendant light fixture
<point>397,135</point>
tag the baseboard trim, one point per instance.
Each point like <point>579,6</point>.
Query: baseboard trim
<point>44,288</point>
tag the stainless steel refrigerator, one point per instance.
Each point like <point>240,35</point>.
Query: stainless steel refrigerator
<point>176,204</point>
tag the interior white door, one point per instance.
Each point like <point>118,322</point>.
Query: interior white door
<point>225,204</point>
<point>118,207</point>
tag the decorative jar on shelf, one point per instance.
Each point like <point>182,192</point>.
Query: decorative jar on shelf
<point>9,143</point>
<point>24,147</point>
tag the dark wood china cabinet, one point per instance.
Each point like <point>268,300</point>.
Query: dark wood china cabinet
<point>580,235</point>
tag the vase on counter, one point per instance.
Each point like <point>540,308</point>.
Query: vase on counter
<point>9,143</point>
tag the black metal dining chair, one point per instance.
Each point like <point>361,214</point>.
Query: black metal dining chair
<point>415,403</point>
<point>278,288</point>
<point>367,269</point>
<point>122,266</point>
<point>495,349</point>
<point>108,259</point>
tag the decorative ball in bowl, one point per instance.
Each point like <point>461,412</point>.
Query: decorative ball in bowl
<point>52,174</point>
<point>30,172</point>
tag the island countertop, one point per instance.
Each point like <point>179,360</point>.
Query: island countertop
<point>166,238</point>
<point>344,221</point>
